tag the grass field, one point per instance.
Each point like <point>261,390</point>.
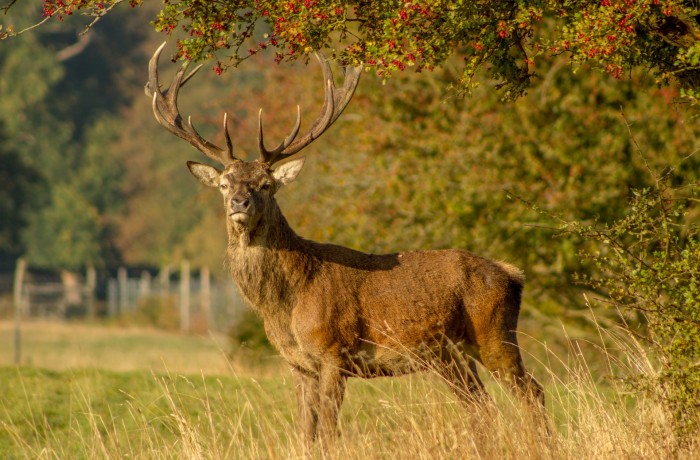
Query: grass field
<point>59,346</point>
<point>88,391</point>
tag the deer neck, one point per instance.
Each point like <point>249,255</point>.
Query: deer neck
<point>267,263</point>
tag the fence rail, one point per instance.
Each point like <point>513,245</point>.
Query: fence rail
<point>200,301</point>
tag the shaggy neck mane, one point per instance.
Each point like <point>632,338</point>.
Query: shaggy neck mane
<point>270,263</point>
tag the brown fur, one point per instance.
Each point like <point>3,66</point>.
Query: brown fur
<point>333,312</point>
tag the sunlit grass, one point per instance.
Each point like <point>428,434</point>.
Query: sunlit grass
<point>246,412</point>
<point>60,346</point>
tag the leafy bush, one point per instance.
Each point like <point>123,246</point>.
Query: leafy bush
<point>158,312</point>
<point>649,265</point>
<point>247,335</point>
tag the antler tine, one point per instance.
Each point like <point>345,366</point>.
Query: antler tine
<point>167,114</point>
<point>190,75</point>
<point>344,94</point>
<point>229,144</point>
<point>270,156</point>
<point>265,154</point>
<point>335,101</point>
<point>152,86</point>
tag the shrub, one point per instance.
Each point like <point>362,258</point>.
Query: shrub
<point>247,335</point>
<point>158,312</point>
<point>649,267</point>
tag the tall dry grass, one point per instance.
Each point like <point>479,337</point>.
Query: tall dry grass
<point>417,417</point>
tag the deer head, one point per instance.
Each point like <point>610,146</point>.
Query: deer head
<point>248,187</point>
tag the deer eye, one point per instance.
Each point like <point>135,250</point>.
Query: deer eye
<point>223,186</point>
<point>265,186</point>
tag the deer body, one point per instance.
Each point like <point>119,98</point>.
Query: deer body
<point>334,312</point>
<point>380,310</point>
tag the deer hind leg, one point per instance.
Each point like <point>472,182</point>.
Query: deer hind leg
<point>460,373</point>
<point>331,392</point>
<point>502,358</point>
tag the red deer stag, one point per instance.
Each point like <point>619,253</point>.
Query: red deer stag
<point>333,312</point>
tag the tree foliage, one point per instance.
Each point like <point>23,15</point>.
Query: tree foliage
<point>19,184</point>
<point>71,224</point>
<point>57,119</point>
<point>504,38</point>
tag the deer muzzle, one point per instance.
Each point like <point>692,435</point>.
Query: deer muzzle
<point>240,209</point>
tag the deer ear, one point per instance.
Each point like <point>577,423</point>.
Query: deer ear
<point>288,171</point>
<point>207,175</point>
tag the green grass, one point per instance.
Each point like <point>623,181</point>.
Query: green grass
<point>91,413</point>
<point>80,407</point>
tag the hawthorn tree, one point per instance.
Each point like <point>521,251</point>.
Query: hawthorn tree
<point>505,39</point>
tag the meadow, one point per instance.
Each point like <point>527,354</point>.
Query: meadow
<point>108,392</point>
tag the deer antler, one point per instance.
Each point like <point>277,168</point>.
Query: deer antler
<point>166,112</point>
<point>334,103</point>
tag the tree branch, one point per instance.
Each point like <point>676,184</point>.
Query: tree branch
<point>74,49</point>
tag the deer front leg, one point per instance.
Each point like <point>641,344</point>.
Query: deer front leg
<point>306,385</point>
<point>332,390</point>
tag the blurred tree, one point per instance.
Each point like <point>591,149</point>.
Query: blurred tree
<point>66,233</point>
<point>58,94</point>
<point>19,184</point>
<point>504,38</point>
<point>33,139</point>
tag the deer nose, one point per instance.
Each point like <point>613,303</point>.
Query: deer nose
<point>240,204</point>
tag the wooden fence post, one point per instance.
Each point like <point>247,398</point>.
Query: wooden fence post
<point>17,298</point>
<point>185,296</point>
<point>164,279</point>
<point>112,298</point>
<point>145,284</point>
<point>91,285</point>
<point>123,281</point>
<point>205,295</point>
